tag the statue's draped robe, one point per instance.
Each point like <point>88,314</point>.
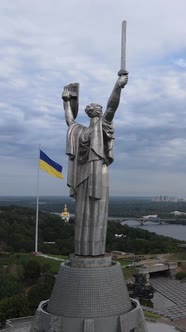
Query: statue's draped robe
<point>90,151</point>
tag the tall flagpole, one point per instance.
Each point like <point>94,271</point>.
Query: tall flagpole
<point>37,207</point>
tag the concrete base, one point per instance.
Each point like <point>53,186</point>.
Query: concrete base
<point>89,299</point>
<point>90,261</point>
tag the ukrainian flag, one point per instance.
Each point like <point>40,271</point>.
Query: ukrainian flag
<point>50,166</point>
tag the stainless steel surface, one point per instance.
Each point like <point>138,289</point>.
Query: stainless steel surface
<point>123,45</point>
<point>123,50</point>
<point>90,151</point>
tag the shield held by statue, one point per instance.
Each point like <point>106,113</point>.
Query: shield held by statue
<point>74,102</point>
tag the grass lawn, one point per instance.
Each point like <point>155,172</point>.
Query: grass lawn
<point>128,272</point>
<point>20,258</point>
<point>54,264</point>
<point>178,256</point>
<point>124,262</point>
<point>148,314</point>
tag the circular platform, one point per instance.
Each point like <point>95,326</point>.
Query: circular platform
<point>90,261</point>
<point>89,296</point>
<point>89,292</point>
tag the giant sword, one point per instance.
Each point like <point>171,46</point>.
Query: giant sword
<point>123,50</point>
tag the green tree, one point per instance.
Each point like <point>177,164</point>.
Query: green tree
<point>9,286</point>
<point>13,307</point>
<point>31,272</point>
<point>181,275</point>
<point>40,291</point>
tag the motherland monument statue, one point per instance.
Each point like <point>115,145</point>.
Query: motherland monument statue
<point>90,293</point>
<point>90,152</point>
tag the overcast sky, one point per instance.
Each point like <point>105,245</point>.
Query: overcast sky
<point>45,45</point>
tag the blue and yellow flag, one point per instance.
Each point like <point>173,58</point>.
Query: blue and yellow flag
<point>50,166</point>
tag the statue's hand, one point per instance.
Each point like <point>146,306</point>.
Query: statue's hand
<point>122,80</point>
<point>66,96</point>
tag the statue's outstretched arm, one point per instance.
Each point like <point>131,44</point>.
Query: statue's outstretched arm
<point>114,99</point>
<point>70,102</point>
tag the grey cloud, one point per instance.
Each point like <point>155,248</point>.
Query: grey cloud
<point>44,48</point>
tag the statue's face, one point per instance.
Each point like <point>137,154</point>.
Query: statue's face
<point>93,110</point>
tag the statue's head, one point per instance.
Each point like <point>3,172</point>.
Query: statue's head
<point>94,110</point>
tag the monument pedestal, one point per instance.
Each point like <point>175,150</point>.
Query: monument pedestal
<point>89,295</point>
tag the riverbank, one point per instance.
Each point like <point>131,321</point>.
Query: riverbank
<point>174,231</point>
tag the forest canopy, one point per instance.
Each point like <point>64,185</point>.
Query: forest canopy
<point>17,234</point>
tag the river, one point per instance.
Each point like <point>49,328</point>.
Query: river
<point>175,231</point>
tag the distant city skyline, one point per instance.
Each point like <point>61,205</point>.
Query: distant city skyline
<point>44,47</point>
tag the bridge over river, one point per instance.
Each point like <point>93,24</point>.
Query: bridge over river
<point>141,220</point>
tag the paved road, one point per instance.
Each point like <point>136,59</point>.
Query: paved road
<point>51,257</point>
